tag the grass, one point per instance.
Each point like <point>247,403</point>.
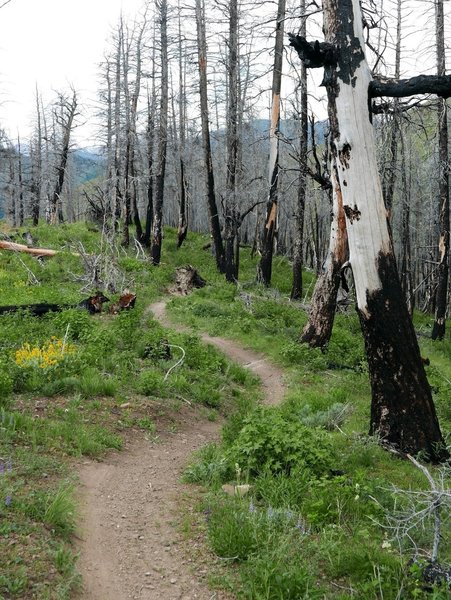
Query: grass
<point>317,480</point>
<point>73,385</point>
<point>346,493</point>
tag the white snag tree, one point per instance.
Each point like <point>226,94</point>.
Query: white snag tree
<point>402,411</point>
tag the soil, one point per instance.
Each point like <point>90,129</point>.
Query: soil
<point>130,540</point>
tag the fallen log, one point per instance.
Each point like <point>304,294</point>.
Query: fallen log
<point>93,305</point>
<point>4,245</point>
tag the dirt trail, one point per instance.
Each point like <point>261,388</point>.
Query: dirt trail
<point>130,547</point>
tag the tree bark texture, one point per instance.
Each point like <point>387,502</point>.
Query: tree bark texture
<point>213,214</point>
<point>318,328</point>
<point>264,270</point>
<point>438,329</point>
<point>157,229</point>
<point>402,411</point>
<point>231,209</point>
<point>298,245</point>
<point>65,120</point>
<point>182,229</point>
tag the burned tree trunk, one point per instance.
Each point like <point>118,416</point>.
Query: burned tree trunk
<point>65,120</point>
<point>157,228</point>
<point>215,226</point>
<point>231,246</point>
<point>182,229</point>
<point>264,270</point>
<point>438,330</point>
<point>402,411</point>
<point>319,326</point>
<point>298,246</point>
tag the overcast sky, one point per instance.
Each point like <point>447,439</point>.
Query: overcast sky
<point>52,43</point>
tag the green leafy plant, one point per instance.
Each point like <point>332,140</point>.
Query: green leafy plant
<point>269,441</point>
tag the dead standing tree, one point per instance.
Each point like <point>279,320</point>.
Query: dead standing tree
<point>264,270</point>
<point>213,215</point>
<point>157,226</point>
<point>64,118</point>
<point>438,330</point>
<point>402,410</point>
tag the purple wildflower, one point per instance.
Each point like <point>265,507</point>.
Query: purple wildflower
<point>251,507</point>
<point>2,467</point>
<point>8,500</point>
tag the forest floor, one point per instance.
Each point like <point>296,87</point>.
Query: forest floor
<point>130,536</point>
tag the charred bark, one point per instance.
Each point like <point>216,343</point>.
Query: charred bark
<point>298,246</point>
<point>65,120</point>
<point>439,85</point>
<point>213,214</point>
<point>402,410</point>
<point>264,270</point>
<point>318,330</point>
<point>157,228</point>
<point>438,329</point>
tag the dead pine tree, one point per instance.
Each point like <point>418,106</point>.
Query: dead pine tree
<point>64,118</point>
<point>157,226</point>
<point>264,269</point>
<point>230,205</point>
<point>182,229</point>
<point>402,411</point>
<point>438,329</point>
<point>213,214</point>
<point>298,245</point>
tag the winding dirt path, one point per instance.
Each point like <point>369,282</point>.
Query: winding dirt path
<point>130,545</point>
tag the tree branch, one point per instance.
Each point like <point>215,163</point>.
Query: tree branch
<point>422,84</point>
<point>313,54</point>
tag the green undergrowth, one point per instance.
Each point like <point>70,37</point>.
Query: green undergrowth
<point>75,385</point>
<point>318,519</point>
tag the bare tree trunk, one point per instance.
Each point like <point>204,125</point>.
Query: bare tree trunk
<point>183,211</point>
<point>298,246</point>
<point>438,330</point>
<point>402,410</point>
<point>12,189</point>
<point>20,207</point>
<point>264,270</point>
<point>150,135</point>
<point>318,328</point>
<point>65,120</point>
<point>157,228</point>
<point>126,211</point>
<point>389,176</point>
<point>36,167</point>
<point>118,195</point>
<point>406,254</point>
<point>215,226</point>
<point>133,135</point>
<point>231,209</point>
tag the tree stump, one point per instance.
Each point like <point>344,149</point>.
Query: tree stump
<point>186,279</point>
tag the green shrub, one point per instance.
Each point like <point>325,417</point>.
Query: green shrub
<point>302,355</point>
<point>329,419</point>
<point>150,383</point>
<point>270,442</point>
<point>209,468</point>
